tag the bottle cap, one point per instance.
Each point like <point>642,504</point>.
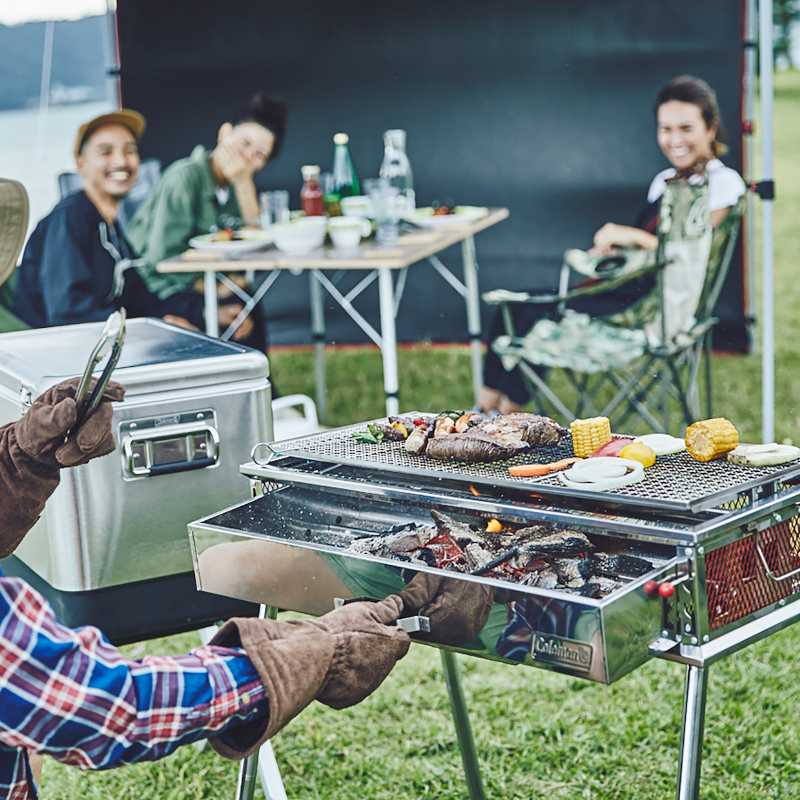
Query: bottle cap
<point>341,138</point>
<point>309,170</point>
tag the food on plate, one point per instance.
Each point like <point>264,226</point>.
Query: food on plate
<point>662,444</point>
<point>541,555</point>
<point>602,474</point>
<point>711,438</point>
<point>611,448</point>
<point>589,434</point>
<point>763,455</point>
<point>638,451</point>
<point>441,211</point>
<point>534,470</point>
<point>225,235</point>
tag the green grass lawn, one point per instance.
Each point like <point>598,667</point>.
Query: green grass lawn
<point>538,734</point>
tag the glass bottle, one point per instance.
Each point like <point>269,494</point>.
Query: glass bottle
<point>311,193</point>
<point>345,180</point>
<point>396,168</point>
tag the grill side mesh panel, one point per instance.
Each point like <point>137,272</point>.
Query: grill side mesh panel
<point>736,582</point>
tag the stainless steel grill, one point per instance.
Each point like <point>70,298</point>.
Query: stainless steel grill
<point>675,483</point>
<point>723,543</point>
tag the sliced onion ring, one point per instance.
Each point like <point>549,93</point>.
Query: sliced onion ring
<point>662,444</point>
<point>587,474</point>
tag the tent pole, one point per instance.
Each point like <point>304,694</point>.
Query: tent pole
<point>44,104</point>
<point>750,35</point>
<point>767,299</point>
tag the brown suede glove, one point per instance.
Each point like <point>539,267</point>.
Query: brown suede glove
<point>40,433</point>
<point>32,450</point>
<point>338,659</point>
<point>457,609</point>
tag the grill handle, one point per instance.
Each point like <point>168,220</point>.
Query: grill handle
<point>770,573</point>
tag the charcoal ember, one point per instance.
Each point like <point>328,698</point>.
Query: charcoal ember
<point>586,567</point>
<point>407,540</point>
<point>590,589</point>
<point>623,564</point>
<point>453,530</point>
<point>569,571</point>
<point>607,585</point>
<point>476,556</point>
<point>529,562</point>
<point>560,544</point>
<point>426,556</point>
<point>547,579</point>
<point>446,553</point>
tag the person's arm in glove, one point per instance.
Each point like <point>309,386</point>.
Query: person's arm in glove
<point>338,659</point>
<point>33,450</point>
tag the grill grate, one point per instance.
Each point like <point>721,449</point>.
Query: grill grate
<point>675,482</point>
<point>735,579</point>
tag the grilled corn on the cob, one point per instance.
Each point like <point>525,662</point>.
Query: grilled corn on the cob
<point>589,434</point>
<point>711,438</point>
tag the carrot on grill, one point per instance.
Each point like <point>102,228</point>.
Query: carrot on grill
<point>534,470</point>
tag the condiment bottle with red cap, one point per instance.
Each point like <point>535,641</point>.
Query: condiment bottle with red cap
<point>311,193</point>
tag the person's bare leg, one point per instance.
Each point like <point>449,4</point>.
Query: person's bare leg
<point>488,399</point>
<point>507,406</point>
<point>36,762</point>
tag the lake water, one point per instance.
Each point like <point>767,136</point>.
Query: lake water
<point>35,150</point>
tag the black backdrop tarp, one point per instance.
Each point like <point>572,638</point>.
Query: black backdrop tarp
<point>542,107</point>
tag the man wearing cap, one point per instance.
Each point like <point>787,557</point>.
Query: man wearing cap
<point>76,266</point>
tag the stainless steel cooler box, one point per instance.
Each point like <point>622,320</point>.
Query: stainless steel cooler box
<point>110,548</point>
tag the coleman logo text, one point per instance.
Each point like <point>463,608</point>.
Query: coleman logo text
<point>557,650</point>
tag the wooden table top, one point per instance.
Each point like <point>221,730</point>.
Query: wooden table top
<point>409,248</point>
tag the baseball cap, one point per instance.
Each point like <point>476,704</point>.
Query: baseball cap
<point>132,120</point>
<point>13,224</point>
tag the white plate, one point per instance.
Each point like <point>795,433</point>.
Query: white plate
<point>425,218</point>
<point>251,240</point>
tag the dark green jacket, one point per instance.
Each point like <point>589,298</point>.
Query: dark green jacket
<point>183,204</point>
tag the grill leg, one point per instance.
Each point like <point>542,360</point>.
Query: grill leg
<point>694,716</point>
<point>466,743</point>
<point>262,763</point>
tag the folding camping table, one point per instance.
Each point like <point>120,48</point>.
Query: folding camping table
<point>377,263</point>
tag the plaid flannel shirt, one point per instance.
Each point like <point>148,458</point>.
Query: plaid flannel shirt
<point>70,694</point>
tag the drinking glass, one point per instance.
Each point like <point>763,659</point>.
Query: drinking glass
<point>385,207</point>
<point>274,207</point>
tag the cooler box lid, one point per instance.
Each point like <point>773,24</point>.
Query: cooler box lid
<point>155,357</point>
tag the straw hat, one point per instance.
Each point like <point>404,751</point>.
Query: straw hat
<point>13,225</point>
<point>132,120</point>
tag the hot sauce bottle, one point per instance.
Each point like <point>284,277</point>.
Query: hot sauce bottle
<point>311,193</point>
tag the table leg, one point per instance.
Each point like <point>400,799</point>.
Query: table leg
<point>318,337</point>
<point>473,302</point>
<point>469,755</point>
<point>389,340</point>
<point>211,310</point>
<point>694,715</point>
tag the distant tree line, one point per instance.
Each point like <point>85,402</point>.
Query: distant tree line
<point>79,59</point>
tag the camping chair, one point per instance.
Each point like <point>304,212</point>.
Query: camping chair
<point>651,352</point>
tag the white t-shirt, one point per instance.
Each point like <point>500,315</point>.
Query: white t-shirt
<point>725,185</point>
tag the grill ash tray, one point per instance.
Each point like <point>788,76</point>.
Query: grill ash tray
<point>293,548</point>
<point>676,483</point>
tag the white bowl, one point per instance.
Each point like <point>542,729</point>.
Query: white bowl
<point>300,236</point>
<point>357,206</point>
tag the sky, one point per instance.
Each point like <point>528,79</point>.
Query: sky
<point>15,12</point>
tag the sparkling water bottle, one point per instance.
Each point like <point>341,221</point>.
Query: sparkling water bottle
<point>395,167</point>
